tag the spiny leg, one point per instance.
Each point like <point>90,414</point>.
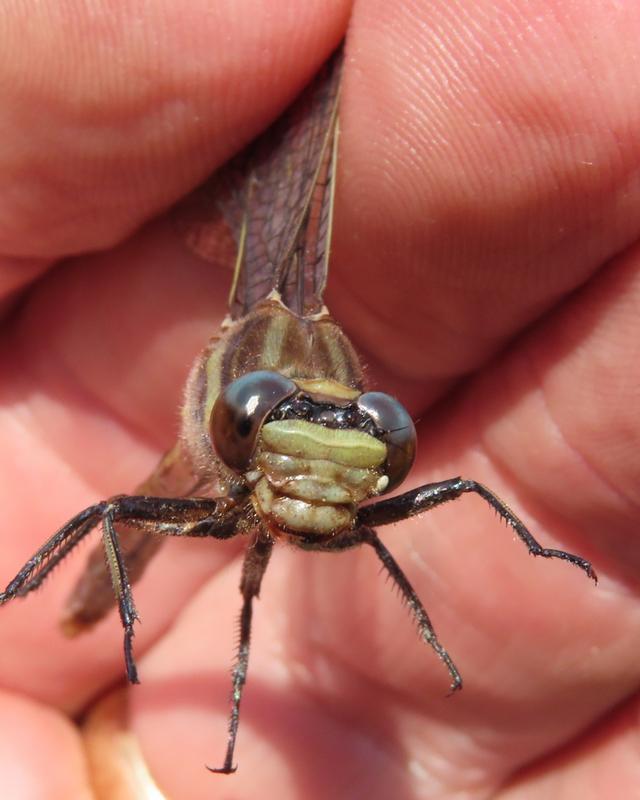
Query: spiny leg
<point>165,516</point>
<point>365,535</point>
<point>194,516</point>
<point>60,545</point>
<point>157,515</point>
<point>433,494</point>
<point>46,568</point>
<point>92,597</point>
<point>33,573</point>
<point>122,591</point>
<point>253,569</point>
<point>178,516</point>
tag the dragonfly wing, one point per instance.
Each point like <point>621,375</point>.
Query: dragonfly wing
<point>274,200</point>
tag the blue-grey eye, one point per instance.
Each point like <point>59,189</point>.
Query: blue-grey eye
<point>239,411</point>
<point>399,433</point>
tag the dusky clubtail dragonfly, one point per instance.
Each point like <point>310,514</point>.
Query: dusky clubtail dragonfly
<point>280,439</point>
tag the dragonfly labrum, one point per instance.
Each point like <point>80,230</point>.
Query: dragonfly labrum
<point>280,439</point>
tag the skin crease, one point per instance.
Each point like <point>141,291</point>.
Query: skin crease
<point>489,162</point>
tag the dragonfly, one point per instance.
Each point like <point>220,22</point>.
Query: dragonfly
<point>281,440</point>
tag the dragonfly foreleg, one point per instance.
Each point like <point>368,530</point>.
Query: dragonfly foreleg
<point>365,535</point>
<point>253,569</point>
<point>52,552</point>
<point>192,516</point>
<point>122,591</point>
<point>138,515</point>
<point>166,516</point>
<point>177,516</point>
<point>433,494</point>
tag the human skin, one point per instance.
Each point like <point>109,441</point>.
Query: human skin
<point>488,184</point>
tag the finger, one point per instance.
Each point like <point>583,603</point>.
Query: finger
<point>606,756</point>
<point>486,158</point>
<point>41,752</point>
<point>15,273</point>
<point>110,115</point>
<point>115,761</point>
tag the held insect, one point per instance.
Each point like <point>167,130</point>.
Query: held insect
<point>280,439</point>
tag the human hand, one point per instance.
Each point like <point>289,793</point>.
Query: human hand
<point>483,177</point>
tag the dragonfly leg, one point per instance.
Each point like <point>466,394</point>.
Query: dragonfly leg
<point>156,515</point>
<point>253,569</point>
<point>365,535</point>
<point>33,573</point>
<point>433,494</point>
<point>167,516</point>
<point>122,591</point>
<point>92,597</point>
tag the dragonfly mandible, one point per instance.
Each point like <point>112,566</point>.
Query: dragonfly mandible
<point>280,439</point>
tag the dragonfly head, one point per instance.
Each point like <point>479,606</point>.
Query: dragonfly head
<point>311,449</point>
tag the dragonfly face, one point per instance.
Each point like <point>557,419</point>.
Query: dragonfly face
<point>296,432</point>
<point>280,437</point>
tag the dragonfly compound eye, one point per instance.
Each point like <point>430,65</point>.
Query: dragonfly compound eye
<point>239,411</point>
<point>397,432</point>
